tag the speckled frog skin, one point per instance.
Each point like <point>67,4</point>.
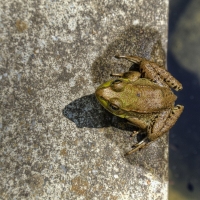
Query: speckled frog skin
<point>144,98</point>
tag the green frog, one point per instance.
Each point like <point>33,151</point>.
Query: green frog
<point>144,98</point>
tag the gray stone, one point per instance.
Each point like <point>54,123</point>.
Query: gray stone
<point>57,142</point>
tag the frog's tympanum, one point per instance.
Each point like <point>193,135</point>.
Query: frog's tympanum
<point>144,98</point>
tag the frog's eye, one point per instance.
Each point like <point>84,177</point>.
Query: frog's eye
<point>114,107</point>
<point>118,85</point>
<point>117,81</point>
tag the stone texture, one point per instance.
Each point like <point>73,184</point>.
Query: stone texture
<point>56,140</point>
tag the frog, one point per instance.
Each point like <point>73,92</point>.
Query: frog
<point>144,97</point>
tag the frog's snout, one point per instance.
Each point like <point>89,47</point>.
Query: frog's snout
<point>103,93</point>
<point>98,92</point>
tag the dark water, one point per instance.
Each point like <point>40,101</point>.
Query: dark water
<point>184,155</point>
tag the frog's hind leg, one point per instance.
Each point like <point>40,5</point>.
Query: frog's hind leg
<point>163,122</point>
<point>154,72</point>
<point>159,75</point>
<point>159,126</point>
<point>147,69</point>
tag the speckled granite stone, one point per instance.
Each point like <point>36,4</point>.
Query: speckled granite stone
<point>57,142</point>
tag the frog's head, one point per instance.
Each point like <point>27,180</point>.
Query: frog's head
<point>110,95</point>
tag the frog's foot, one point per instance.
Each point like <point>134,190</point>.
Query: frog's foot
<point>163,122</point>
<point>138,146</point>
<point>134,59</point>
<point>117,75</point>
<point>131,75</point>
<point>135,133</point>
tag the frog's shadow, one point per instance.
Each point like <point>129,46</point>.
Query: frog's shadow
<point>86,111</point>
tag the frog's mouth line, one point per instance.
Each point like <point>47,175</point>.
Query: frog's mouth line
<point>101,100</point>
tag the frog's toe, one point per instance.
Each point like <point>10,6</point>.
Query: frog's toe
<point>134,59</point>
<point>138,146</point>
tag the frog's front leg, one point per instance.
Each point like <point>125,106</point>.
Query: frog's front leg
<point>154,72</point>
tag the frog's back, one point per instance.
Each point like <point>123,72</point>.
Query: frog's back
<point>145,96</point>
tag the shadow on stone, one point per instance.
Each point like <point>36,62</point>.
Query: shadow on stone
<point>87,112</point>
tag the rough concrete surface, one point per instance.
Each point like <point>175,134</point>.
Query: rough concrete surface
<point>57,142</point>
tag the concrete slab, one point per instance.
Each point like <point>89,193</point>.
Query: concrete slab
<point>57,142</point>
